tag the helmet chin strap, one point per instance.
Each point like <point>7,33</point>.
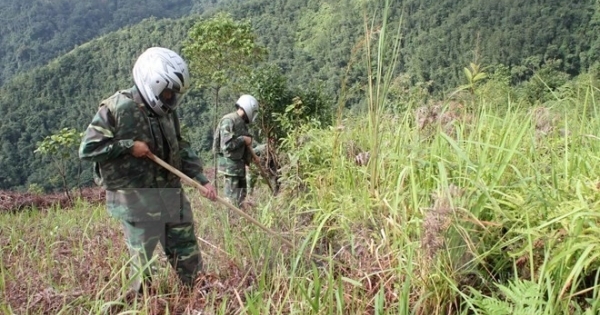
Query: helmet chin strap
<point>139,99</point>
<point>246,119</point>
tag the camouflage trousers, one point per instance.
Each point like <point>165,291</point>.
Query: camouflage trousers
<point>235,189</point>
<point>179,244</point>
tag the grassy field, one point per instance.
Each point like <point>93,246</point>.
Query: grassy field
<point>479,206</point>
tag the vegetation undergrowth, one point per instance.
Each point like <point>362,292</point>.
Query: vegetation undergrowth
<point>494,212</point>
<point>491,210</point>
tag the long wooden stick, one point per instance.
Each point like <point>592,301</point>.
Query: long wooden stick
<point>194,183</point>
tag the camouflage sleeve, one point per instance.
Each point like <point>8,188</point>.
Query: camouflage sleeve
<point>229,141</point>
<point>191,164</point>
<point>99,143</point>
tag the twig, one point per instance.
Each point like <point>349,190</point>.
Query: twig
<point>239,299</point>
<point>260,168</point>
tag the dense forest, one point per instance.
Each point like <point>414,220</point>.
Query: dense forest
<point>34,32</point>
<point>60,58</point>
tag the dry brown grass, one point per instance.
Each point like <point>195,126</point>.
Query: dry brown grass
<point>441,115</point>
<point>374,265</point>
<point>13,201</point>
<point>62,260</point>
<point>47,275</point>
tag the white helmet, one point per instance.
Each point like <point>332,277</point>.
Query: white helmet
<point>250,106</point>
<point>157,69</point>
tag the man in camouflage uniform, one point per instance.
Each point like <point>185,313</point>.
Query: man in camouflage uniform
<point>145,197</point>
<point>232,142</point>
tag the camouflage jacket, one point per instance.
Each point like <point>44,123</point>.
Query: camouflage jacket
<point>138,189</point>
<point>230,145</point>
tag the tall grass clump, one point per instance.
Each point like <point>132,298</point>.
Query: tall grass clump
<point>493,210</point>
<point>480,209</point>
<point>380,70</point>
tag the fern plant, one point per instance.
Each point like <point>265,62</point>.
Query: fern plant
<point>519,297</point>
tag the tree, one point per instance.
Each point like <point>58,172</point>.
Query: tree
<point>271,88</point>
<point>61,147</point>
<point>220,50</point>
<point>283,109</point>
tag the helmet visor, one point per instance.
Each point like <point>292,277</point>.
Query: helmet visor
<point>170,98</point>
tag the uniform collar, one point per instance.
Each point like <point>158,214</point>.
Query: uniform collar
<point>137,97</point>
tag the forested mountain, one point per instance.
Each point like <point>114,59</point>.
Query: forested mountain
<point>315,43</point>
<point>34,31</point>
<point>439,37</point>
<point>520,35</point>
